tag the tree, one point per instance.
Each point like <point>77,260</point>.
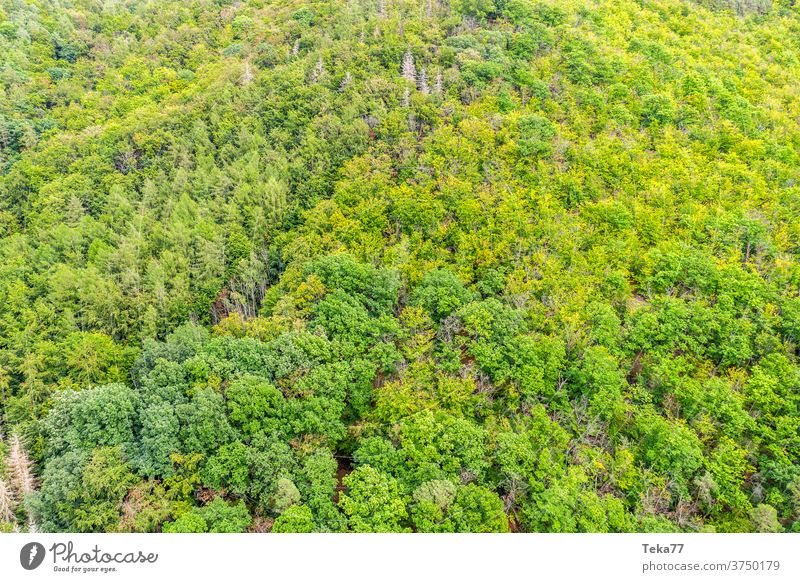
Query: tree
<point>204,425</point>
<point>409,70</point>
<point>105,481</point>
<point>222,517</point>
<point>568,506</point>
<point>100,416</point>
<point>286,495</point>
<point>20,469</point>
<point>442,506</point>
<point>7,503</point>
<point>317,484</point>
<point>672,450</point>
<point>158,440</point>
<point>296,519</point>
<point>53,507</point>
<point>228,469</point>
<point>765,519</point>
<point>477,509</point>
<point>373,502</point>
<point>441,293</point>
<point>254,405</point>
<point>536,132</point>
<point>429,506</point>
<point>477,8</point>
<point>216,517</point>
<point>271,462</point>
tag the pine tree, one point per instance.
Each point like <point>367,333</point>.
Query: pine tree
<point>348,79</point>
<point>7,503</point>
<point>439,83</point>
<point>318,72</point>
<point>20,469</point>
<point>409,70</point>
<point>247,75</point>
<point>422,82</point>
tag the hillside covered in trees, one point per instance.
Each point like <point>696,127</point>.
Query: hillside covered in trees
<point>400,265</point>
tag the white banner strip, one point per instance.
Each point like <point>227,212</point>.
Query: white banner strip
<point>414,557</point>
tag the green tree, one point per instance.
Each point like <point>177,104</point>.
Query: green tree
<point>373,502</point>
<point>296,519</point>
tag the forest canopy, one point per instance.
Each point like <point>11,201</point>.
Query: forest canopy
<point>399,266</point>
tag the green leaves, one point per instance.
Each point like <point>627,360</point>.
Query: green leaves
<point>83,492</point>
<point>441,506</point>
<point>204,425</point>
<point>375,288</point>
<point>672,450</point>
<point>216,517</point>
<point>102,416</point>
<point>658,109</point>
<point>296,519</point>
<point>477,8</point>
<point>535,136</point>
<point>569,507</point>
<point>373,502</point>
<point>441,293</point>
<point>254,405</point>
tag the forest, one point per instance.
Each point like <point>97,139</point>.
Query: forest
<point>399,266</point>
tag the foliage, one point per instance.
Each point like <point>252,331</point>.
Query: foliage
<point>479,265</point>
